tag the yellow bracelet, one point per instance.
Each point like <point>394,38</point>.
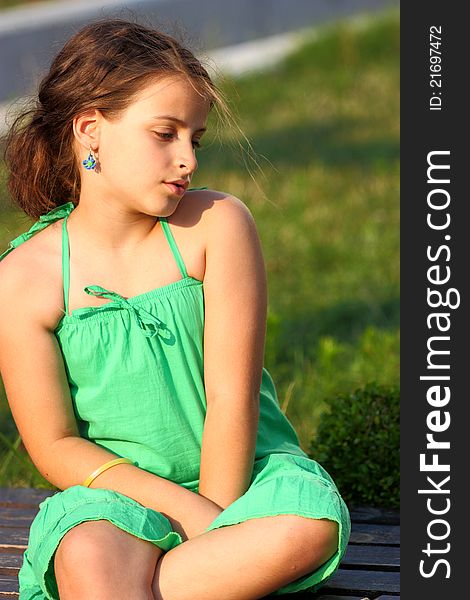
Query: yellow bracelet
<point>104,467</point>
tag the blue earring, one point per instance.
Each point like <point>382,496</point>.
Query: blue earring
<point>89,163</point>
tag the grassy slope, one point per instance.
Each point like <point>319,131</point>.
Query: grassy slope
<point>327,122</point>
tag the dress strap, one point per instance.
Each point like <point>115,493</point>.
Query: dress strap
<point>65,264</point>
<point>171,240</point>
<point>44,220</point>
<point>173,246</point>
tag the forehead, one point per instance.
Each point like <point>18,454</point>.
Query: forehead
<point>170,95</point>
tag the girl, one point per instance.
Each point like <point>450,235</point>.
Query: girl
<point>132,326</point>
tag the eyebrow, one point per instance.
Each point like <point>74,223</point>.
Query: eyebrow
<point>178,121</point>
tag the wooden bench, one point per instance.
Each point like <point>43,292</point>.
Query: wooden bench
<point>370,568</point>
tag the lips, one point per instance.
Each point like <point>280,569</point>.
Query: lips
<point>178,186</point>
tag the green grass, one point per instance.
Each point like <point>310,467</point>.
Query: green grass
<point>325,127</point>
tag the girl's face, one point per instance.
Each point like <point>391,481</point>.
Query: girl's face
<point>148,156</point>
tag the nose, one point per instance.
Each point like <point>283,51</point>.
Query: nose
<point>187,158</point>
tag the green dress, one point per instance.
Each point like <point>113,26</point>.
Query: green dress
<point>135,371</point>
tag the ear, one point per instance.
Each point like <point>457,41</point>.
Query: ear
<point>86,129</point>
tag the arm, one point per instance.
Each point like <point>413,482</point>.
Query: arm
<point>35,381</point>
<point>235,295</point>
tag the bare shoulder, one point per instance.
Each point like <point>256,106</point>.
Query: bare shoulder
<point>215,212</point>
<point>29,276</point>
<point>230,238</point>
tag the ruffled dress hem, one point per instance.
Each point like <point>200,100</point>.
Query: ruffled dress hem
<point>64,510</point>
<point>286,484</point>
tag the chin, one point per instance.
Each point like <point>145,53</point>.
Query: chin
<point>170,209</point>
<point>165,209</point>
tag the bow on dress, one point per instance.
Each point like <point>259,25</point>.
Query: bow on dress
<point>149,324</point>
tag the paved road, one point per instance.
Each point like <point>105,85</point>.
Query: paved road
<point>31,35</point>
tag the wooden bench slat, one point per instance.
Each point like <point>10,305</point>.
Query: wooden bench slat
<point>320,595</point>
<point>387,557</point>
<point>13,549</point>
<point>364,582</point>
<point>364,533</point>
<point>8,584</point>
<point>13,516</point>
<point>23,497</point>
<point>333,597</point>
<point>14,536</point>
<point>371,514</point>
<point>10,564</point>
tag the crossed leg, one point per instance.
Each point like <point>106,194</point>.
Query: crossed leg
<point>245,561</point>
<point>97,560</point>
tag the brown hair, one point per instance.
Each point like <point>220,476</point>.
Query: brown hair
<point>102,66</point>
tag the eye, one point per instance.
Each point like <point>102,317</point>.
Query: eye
<point>196,143</point>
<point>164,135</point>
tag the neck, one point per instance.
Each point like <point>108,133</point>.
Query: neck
<point>110,226</point>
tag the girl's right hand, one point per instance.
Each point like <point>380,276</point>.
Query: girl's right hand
<point>201,515</point>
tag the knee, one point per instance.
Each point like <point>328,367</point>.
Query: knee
<point>99,556</point>
<point>80,548</point>
<point>101,550</point>
<point>309,542</point>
